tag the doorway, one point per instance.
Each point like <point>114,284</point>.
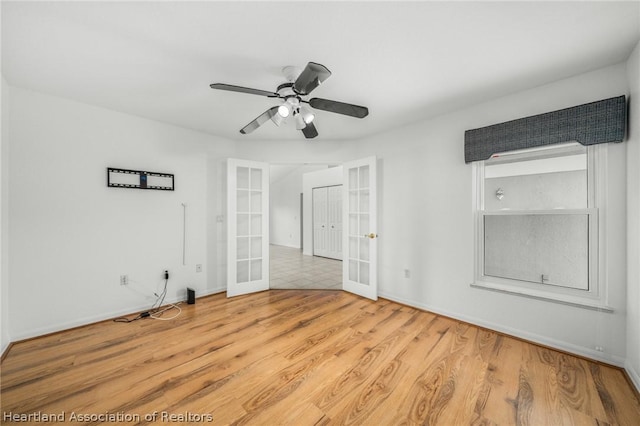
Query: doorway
<point>248,225</point>
<point>293,264</point>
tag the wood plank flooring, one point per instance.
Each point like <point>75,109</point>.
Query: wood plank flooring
<point>306,357</point>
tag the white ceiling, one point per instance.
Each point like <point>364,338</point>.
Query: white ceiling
<point>279,172</point>
<point>405,61</point>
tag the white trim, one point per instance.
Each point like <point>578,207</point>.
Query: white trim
<point>293,246</point>
<point>507,212</point>
<point>542,295</point>
<point>4,347</point>
<point>102,317</point>
<point>596,297</point>
<point>598,163</point>
<point>531,337</point>
<point>211,292</point>
<point>540,152</point>
<point>570,163</point>
<point>633,374</point>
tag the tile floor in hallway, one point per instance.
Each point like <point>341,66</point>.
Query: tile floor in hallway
<point>290,269</point>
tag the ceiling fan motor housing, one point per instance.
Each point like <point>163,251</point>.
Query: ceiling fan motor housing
<point>291,98</point>
<point>286,90</point>
<point>291,73</point>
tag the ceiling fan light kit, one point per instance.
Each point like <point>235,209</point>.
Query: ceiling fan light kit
<point>300,83</point>
<point>284,111</point>
<point>277,118</point>
<point>307,115</point>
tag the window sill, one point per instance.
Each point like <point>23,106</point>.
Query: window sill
<point>540,295</point>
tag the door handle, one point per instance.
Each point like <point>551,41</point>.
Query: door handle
<point>371,235</point>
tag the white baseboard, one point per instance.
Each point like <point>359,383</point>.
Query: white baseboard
<point>101,317</point>
<point>633,375</point>
<point>532,337</point>
<point>4,347</point>
<point>286,245</point>
<point>212,291</point>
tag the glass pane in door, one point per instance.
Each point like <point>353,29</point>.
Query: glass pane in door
<point>242,177</point>
<point>359,205</point>
<point>249,224</point>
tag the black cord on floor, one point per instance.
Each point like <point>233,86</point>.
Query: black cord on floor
<point>125,319</point>
<point>154,309</point>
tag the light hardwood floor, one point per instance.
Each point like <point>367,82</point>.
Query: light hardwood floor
<point>316,357</point>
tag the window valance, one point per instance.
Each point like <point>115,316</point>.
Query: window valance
<point>596,122</point>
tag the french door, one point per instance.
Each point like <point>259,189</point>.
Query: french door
<point>360,238</point>
<point>247,227</point>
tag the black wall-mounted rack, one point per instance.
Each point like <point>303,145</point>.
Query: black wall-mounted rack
<point>139,179</point>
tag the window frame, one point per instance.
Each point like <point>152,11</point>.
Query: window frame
<point>596,297</point>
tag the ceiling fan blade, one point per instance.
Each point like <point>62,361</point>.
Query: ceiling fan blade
<point>310,78</point>
<point>310,131</point>
<point>231,88</point>
<point>339,107</point>
<point>259,121</point>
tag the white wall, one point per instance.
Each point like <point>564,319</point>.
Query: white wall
<point>71,237</point>
<point>284,203</point>
<point>633,219</point>
<point>426,222</point>
<point>216,262</point>
<point>5,337</point>
<point>328,177</point>
<point>297,151</point>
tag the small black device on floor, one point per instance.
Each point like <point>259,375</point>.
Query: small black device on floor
<point>191,296</point>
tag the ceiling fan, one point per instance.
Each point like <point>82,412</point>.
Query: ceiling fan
<point>299,84</point>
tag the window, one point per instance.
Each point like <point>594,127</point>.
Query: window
<point>538,224</point>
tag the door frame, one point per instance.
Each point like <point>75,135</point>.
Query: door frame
<point>371,292</point>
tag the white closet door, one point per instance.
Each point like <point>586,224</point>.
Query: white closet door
<point>320,223</point>
<point>334,221</point>
<point>360,239</point>
<point>247,227</point>
<point>327,222</point>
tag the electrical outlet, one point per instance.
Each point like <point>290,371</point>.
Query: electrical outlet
<point>124,279</point>
<point>600,348</point>
<point>407,273</point>
<point>198,267</point>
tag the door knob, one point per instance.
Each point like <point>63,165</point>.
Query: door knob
<point>371,235</point>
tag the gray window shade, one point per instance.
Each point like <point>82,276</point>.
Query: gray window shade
<point>596,122</point>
